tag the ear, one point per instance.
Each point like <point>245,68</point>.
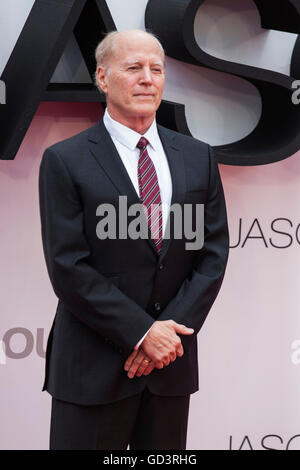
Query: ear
<point>102,78</point>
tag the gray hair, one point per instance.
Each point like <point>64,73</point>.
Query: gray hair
<point>107,47</point>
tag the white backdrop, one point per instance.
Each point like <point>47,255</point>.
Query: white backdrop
<point>249,346</point>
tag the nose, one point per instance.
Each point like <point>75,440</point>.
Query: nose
<point>146,76</point>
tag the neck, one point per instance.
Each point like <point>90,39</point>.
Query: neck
<point>138,124</point>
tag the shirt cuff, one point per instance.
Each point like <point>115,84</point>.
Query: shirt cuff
<point>142,339</point>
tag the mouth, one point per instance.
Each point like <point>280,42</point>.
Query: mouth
<point>145,94</point>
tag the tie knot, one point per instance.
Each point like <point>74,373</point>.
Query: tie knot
<point>142,143</point>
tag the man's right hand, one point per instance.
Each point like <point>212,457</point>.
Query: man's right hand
<point>162,344</point>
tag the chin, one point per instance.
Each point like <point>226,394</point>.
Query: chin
<point>146,111</point>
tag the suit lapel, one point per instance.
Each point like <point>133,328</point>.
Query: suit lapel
<point>107,156</point>
<point>174,153</point>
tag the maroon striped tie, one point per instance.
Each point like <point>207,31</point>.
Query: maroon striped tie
<point>149,193</point>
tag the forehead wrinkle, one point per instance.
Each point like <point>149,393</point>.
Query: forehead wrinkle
<point>139,61</point>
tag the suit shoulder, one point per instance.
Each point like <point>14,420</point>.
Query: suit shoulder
<point>75,145</point>
<point>185,140</point>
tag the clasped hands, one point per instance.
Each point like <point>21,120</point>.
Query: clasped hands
<point>161,346</point>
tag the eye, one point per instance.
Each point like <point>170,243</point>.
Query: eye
<point>157,70</point>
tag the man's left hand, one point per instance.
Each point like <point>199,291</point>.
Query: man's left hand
<point>136,364</point>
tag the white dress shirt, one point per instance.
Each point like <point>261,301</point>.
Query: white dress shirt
<point>125,140</point>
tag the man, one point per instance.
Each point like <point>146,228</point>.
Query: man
<point>121,358</point>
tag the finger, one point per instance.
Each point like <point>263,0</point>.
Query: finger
<point>173,355</point>
<point>182,329</point>
<point>179,351</point>
<point>149,369</point>
<point>136,364</point>
<point>159,364</point>
<point>130,359</point>
<point>143,366</point>
<point>166,361</point>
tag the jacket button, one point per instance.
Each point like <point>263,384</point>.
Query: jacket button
<point>157,306</point>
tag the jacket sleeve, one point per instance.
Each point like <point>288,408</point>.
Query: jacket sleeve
<point>89,295</point>
<point>197,294</point>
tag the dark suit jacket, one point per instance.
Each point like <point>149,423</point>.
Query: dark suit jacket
<point>111,291</point>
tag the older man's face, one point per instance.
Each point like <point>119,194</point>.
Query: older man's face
<point>135,81</point>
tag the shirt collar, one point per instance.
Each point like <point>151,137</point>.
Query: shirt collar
<point>129,137</point>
